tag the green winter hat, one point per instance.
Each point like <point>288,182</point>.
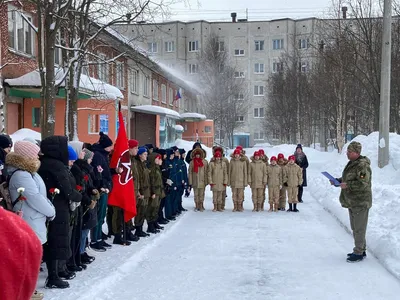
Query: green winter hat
<point>354,147</point>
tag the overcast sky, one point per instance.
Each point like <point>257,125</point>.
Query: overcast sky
<point>220,10</point>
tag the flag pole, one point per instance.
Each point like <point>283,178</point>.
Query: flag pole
<point>124,227</point>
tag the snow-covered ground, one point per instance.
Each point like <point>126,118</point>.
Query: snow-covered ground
<point>260,255</point>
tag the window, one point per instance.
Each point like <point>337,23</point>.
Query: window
<point>35,116</point>
<point>221,46</point>
<point>153,47</point>
<point>258,90</point>
<point>120,70</point>
<point>118,125</point>
<point>303,43</point>
<point>155,89</point>
<point>134,81</point>
<point>170,46</point>
<point>146,86</point>
<point>171,97</point>
<point>194,46</point>
<point>303,66</point>
<point>103,68</point>
<point>163,93</point>
<point>259,112</point>
<point>277,67</point>
<point>277,44</point>
<point>239,97</point>
<point>259,45</point>
<point>259,68</point>
<point>258,135</point>
<point>20,33</point>
<point>207,129</point>
<point>97,123</point>
<point>239,74</point>
<point>239,52</point>
<point>193,68</point>
<point>240,119</point>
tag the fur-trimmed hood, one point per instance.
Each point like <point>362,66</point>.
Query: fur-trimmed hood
<point>218,148</point>
<point>256,161</point>
<point>242,157</point>
<point>18,162</point>
<point>202,152</point>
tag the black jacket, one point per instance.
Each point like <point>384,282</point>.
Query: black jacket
<point>101,158</point>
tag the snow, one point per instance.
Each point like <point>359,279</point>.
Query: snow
<point>258,256</point>
<point>382,143</point>
<point>262,145</point>
<point>156,110</point>
<point>23,133</point>
<point>187,145</point>
<point>193,116</point>
<point>179,128</point>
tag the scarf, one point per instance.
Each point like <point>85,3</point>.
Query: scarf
<point>198,163</point>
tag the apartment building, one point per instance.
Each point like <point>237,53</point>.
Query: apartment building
<point>255,48</point>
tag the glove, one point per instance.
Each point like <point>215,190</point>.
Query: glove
<point>169,182</point>
<point>175,188</point>
<point>285,184</point>
<point>74,205</point>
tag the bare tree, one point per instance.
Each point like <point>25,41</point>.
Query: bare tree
<point>225,89</point>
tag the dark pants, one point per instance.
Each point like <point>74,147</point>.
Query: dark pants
<point>300,194</point>
<point>109,219</point>
<point>152,209</point>
<point>169,211</point>
<point>176,199</point>
<point>101,214</point>
<point>117,219</point>
<point>160,209</point>
<point>141,208</point>
<point>76,233</point>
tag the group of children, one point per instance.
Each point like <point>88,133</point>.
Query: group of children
<point>283,177</point>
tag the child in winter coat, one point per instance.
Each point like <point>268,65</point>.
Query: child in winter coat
<point>198,177</point>
<point>238,178</point>
<point>224,159</point>
<point>282,162</point>
<point>218,179</point>
<point>264,159</point>
<point>157,192</point>
<point>294,179</point>
<point>257,180</point>
<point>274,181</point>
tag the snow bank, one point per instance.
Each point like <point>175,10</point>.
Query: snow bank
<point>23,133</point>
<point>383,233</point>
<point>187,145</point>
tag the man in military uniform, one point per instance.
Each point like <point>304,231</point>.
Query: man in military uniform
<point>356,196</point>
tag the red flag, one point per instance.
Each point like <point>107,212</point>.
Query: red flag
<point>122,194</point>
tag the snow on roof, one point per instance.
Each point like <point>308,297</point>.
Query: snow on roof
<point>156,110</point>
<point>193,116</point>
<point>101,89</point>
<point>241,133</point>
<point>23,133</point>
<point>179,128</point>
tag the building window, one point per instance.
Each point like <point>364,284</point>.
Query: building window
<point>239,52</point>
<point>103,68</point>
<point>194,46</point>
<point>20,34</point>
<point>259,45</point>
<point>258,135</point>
<point>239,74</point>
<point>163,93</point>
<point>221,46</point>
<point>171,97</point>
<point>277,67</point>
<point>207,129</point>
<point>134,81</point>
<point>303,43</point>
<point>239,97</point>
<point>303,66</point>
<point>193,68</point>
<point>120,70</point>
<point>277,44</point>
<point>116,132</point>
<point>258,90</point>
<point>153,47</point>
<point>35,117</point>
<point>155,89</point>
<point>170,46</point>
<point>97,123</point>
<point>240,119</point>
<point>258,68</point>
<point>259,112</point>
<point>146,86</point>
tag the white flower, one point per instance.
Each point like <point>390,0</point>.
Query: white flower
<point>21,190</point>
<point>56,191</point>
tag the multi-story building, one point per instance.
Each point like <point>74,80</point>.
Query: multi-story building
<point>255,48</point>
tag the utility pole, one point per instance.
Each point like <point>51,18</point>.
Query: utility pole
<point>384,110</point>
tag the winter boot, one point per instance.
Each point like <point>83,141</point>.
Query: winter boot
<point>295,208</point>
<point>87,259</point>
<point>271,207</point>
<point>139,232</point>
<point>131,237</point>
<point>364,254</point>
<point>37,296</point>
<point>355,258</point>
<point>151,228</point>
<point>158,226</point>
<point>119,240</point>
<point>290,207</point>
<point>97,246</point>
<point>163,221</point>
<point>234,207</point>
<point>53,281</point>
<point>215,208</point>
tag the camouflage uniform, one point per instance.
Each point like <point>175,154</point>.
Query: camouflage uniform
<point>357,197</point>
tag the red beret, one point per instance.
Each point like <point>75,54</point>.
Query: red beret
<point>133,144</point>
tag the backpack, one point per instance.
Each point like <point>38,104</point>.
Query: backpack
<point>5,198</point>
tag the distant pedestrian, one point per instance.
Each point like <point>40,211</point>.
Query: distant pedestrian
<point>302,162</point>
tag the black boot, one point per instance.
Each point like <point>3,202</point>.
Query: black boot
<point>151,228</point>
<point>87,259</point>
<point>295,208</point>
<point>157,226</point>
<point>53,281</point>
<point>290,207</point>
<point>131,237</point>
<point>119,240</point>
<point>163,221</point>
<point>140,233</point>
